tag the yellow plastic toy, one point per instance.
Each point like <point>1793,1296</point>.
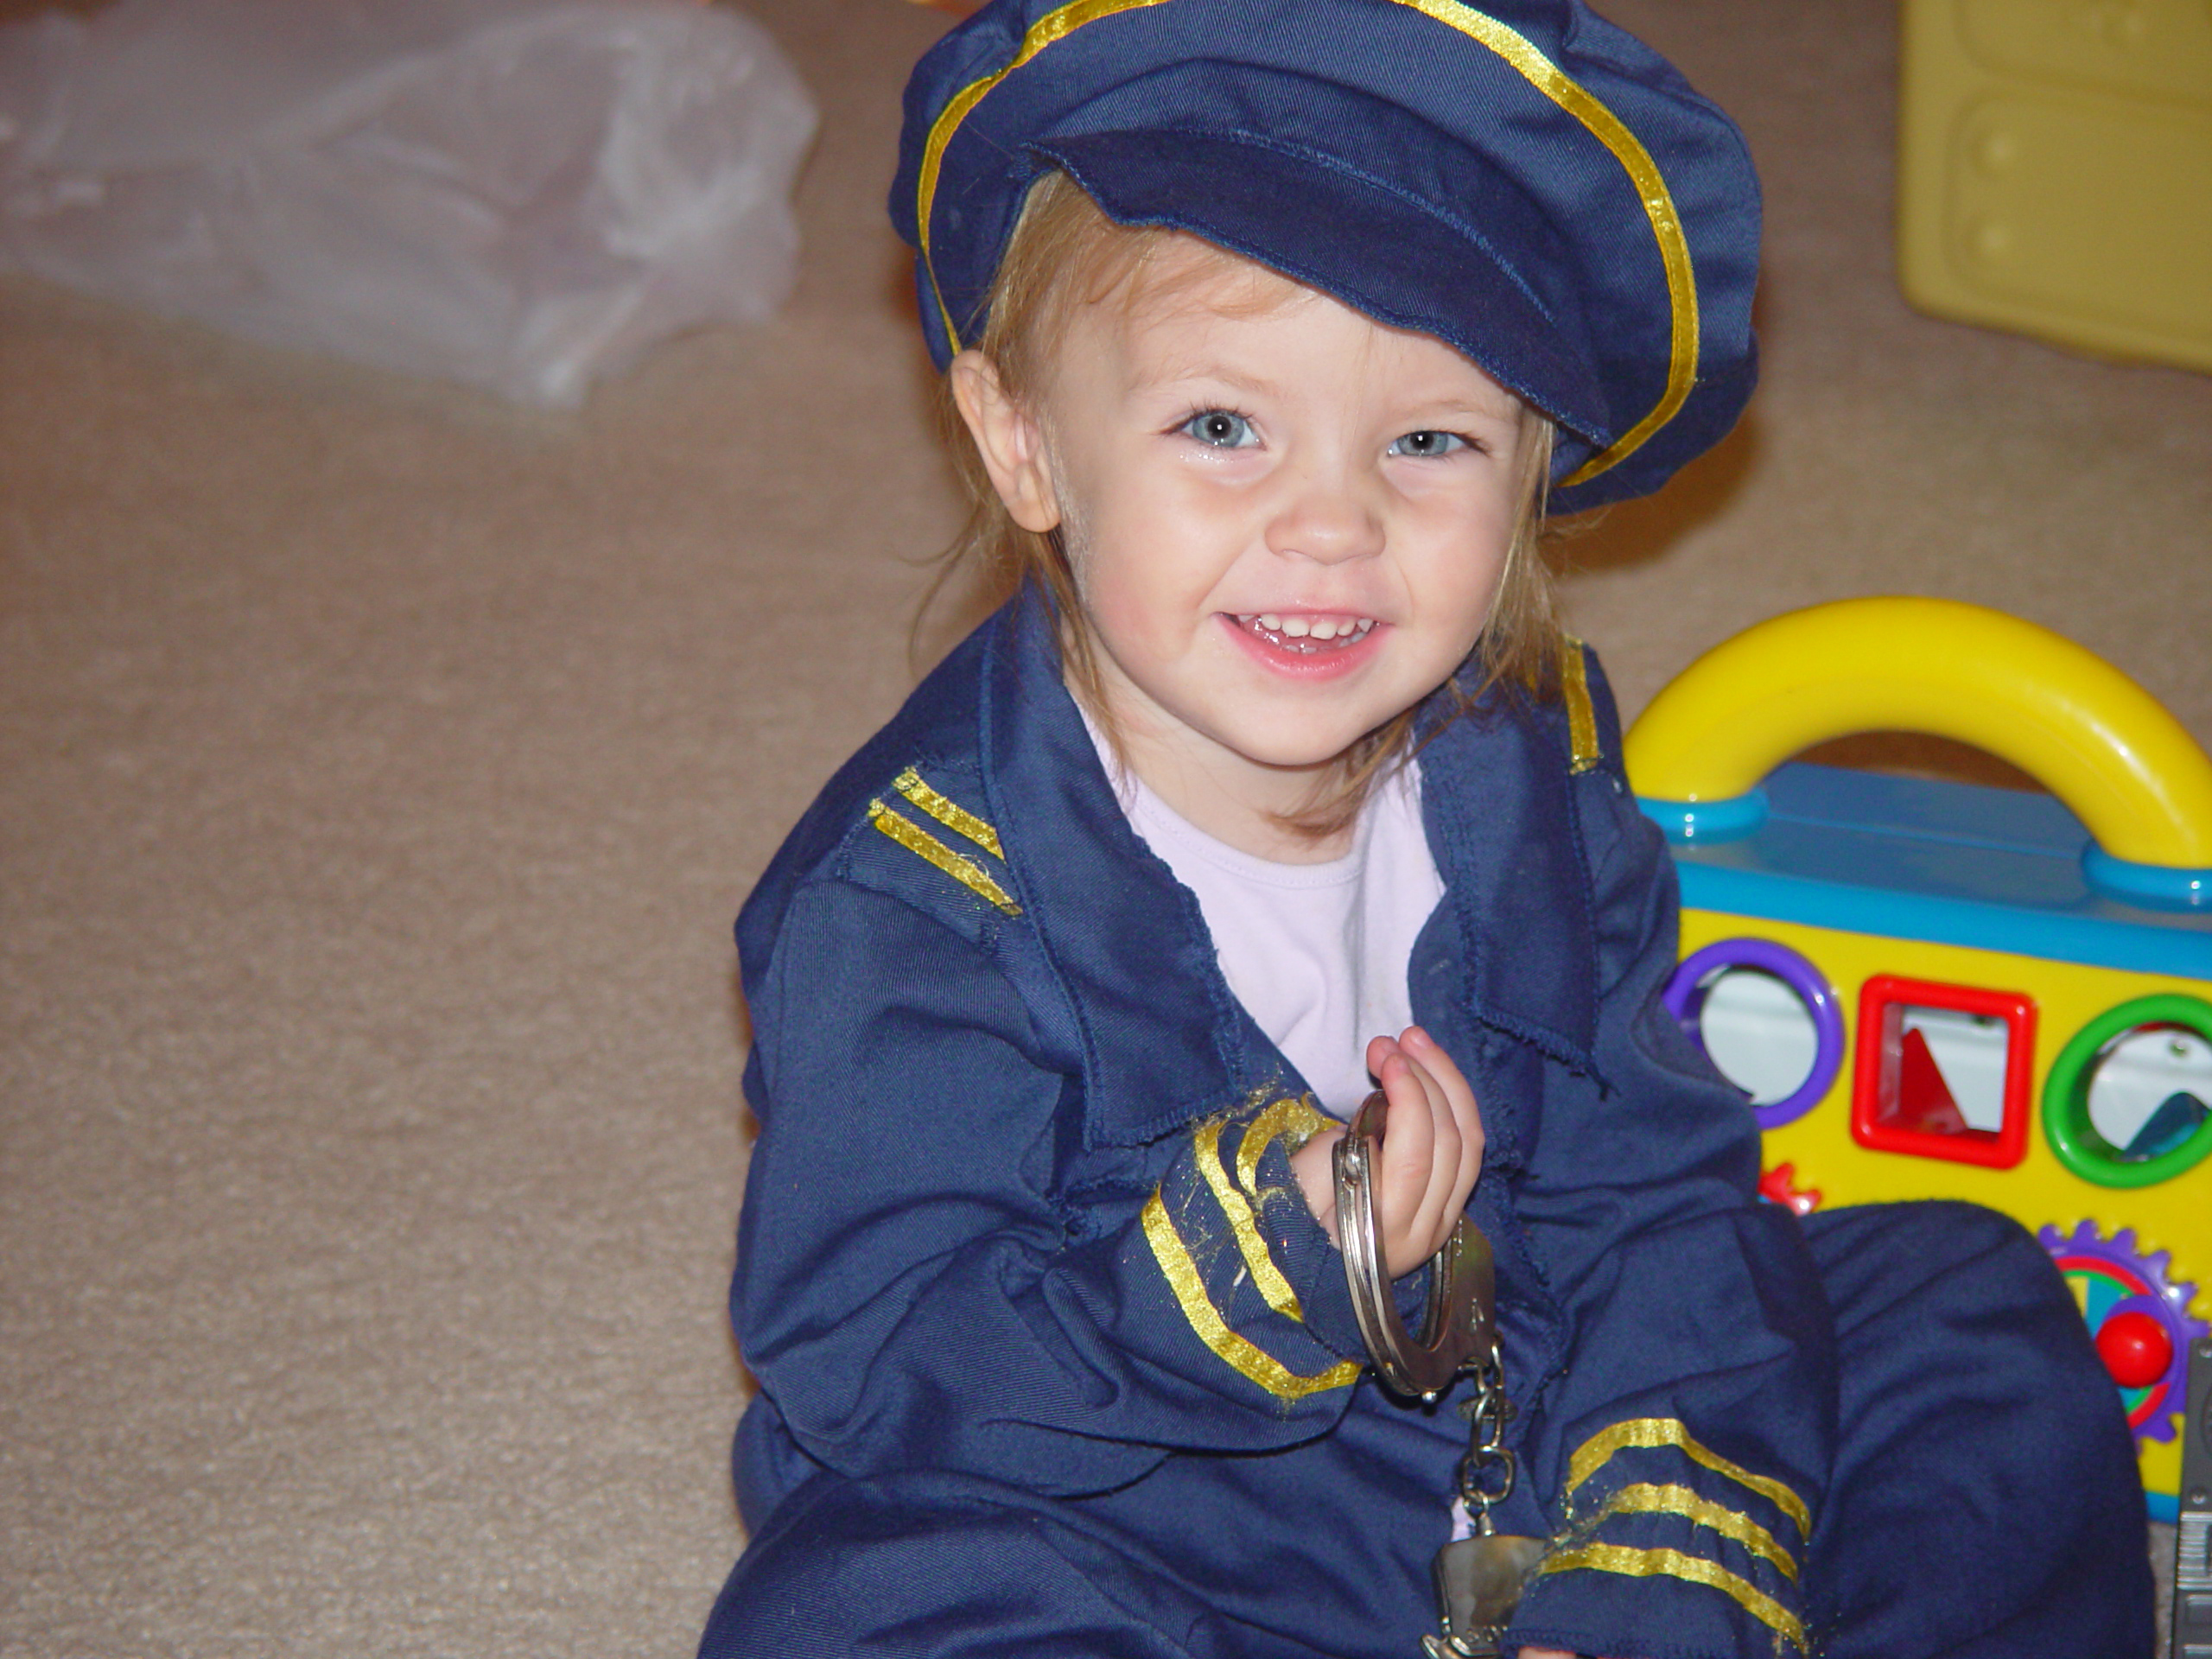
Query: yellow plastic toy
<point>1937,990</point>
<point>2052,160</point>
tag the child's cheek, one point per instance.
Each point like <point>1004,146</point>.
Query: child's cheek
<point>1138,622</point>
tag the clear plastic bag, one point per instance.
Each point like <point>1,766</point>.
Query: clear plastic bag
<point>522,194</point>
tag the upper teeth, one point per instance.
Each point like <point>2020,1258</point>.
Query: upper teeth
<point>1319,627</point>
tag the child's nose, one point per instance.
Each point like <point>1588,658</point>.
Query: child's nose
<point>1327,519</point>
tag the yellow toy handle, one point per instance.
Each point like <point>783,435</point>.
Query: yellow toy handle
<point>2100,742</point>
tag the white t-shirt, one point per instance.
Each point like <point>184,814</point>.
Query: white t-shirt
<point>1317,953</point>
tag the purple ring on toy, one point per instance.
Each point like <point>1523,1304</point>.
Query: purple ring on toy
<point>1684,998</point>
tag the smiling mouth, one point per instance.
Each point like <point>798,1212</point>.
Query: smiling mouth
<point>1306,636</point>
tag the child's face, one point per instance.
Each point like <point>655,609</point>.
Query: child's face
<point>1286,522</point>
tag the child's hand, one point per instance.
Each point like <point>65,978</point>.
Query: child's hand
<point>1432,1150</point>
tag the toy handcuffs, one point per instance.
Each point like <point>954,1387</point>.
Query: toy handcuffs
<point>1460,1327</point>
<point>1478,1578</point>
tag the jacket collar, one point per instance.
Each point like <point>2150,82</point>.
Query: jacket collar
<point>1498,800</point>
<point>1165,1041</point>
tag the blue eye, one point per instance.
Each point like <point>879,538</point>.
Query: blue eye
<point>1428,444</point>
<point>1219,428</point>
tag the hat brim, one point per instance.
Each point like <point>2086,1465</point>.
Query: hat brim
<point>1417,271</point>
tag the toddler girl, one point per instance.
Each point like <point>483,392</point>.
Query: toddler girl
<point>1270,325</point>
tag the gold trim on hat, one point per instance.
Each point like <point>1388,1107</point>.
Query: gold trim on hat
<point>1607,129</point>
<point>1055,25</point>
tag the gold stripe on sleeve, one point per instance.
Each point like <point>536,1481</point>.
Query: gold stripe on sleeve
<point>1234,1204</point>
<point>1651,1433</point>
<point>1240,1355</point>
<point>1297,1118</point>
<point>1541,72</point>
<point>948,813</point>
<point>964,870</point>
<point>1729,1523</point>
<point>1581,718</point>
<point>1674,1564</point>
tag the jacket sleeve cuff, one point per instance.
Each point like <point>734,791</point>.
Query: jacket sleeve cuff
<point>1312,1264</point>
<point>1666,1534</point>
<point>1617,1609</point>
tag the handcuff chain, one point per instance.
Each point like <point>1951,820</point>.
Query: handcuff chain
<point>1489,1471</point>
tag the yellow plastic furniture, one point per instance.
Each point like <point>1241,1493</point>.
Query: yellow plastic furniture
<point>2055,171</point>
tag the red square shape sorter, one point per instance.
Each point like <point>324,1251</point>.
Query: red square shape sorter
<point>1944,1070</point>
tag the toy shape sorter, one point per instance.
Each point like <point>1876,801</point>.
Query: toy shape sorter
<point>1941,990</point>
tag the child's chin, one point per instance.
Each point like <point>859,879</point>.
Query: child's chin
<point>1302,749</point>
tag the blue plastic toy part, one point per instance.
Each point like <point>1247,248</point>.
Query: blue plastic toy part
<point>2162,886</point>
<point>1911,858</point>
<point>1688,822</point>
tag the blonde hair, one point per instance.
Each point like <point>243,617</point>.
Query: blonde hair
<point>1065,252</point>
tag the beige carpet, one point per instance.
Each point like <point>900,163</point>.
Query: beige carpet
<point>380,768</point>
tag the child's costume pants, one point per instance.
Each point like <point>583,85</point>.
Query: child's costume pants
<point>1985,1505</point>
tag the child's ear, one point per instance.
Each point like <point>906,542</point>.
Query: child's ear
<point>1007,437</point>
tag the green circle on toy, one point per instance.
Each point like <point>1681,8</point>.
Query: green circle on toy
<point>2066,1120</point>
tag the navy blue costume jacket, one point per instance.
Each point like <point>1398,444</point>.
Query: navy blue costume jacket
<point>1020,1237</point>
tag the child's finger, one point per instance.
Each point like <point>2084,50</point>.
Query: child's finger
<point>1444,1197</point>
<point>1425,1051</point>
<point>1404,1160</point>
<point>1421,1142</point>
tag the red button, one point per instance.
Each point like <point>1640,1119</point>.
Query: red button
<point>2135,1349</point>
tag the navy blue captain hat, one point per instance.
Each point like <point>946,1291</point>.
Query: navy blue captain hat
<point>1517,178</point>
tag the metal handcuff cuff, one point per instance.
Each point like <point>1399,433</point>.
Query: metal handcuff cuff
<point>1478,1579</point>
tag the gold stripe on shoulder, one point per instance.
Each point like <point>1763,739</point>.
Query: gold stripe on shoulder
<point>1677,1564</point>
<point>1235,1351</point>
<point>950,813</point>
<point>1652,1433</point>
<point>1729,1523</point>
<point>962,868</point>
<point>1242,1222</point>
<point>1581,718</point>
